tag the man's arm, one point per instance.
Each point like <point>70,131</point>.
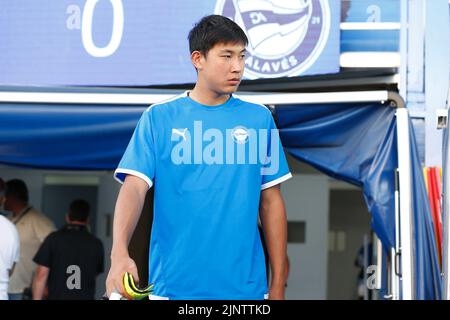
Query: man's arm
<point>273,219</point>
<point>40,282</point>
<point>126,216</point>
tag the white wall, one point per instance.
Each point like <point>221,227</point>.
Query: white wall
<point>349,219</point>
<point>306,199</point>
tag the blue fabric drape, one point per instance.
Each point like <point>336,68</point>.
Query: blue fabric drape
<point>69,137</point>
<point>358,144</point>
<point>351,142</point>
<point>427,271</point>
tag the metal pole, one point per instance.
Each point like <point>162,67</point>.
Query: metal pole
<point>404,49</point>
<point>396,250</point>
<point>445,211</point>
<point>379,256</point>
<point>392,275</point>
<point>406,221</point>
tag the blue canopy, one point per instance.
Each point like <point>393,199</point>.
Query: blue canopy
<point>352,142</point>
<point>357,143</point>
<point>69,137</point>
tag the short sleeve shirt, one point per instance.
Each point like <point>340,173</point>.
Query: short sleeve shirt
<point>208,165</point>
<point>75,258</point>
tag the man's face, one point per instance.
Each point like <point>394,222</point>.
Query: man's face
<point>223,67</point>
<point>7,203</point>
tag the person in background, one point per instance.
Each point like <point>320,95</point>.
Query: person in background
<point>70,259</point>
<point>9,248</point>
<point>33,228</point>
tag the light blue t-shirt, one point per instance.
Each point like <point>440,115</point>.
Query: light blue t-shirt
<point>208,165</point>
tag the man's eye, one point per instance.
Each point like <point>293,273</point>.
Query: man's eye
<point>228,56</point>
<point>242,56</point>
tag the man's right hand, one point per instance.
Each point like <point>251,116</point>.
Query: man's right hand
<point>114,281</point>
<point>126,215</point>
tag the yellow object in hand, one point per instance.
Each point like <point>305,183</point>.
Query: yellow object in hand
<point>134,292</point>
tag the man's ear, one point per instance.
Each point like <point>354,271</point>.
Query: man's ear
<point>197,59</point>
<point>67,219</point>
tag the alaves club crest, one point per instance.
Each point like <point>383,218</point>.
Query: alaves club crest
<point>285,36</point>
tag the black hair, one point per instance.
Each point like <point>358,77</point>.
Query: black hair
<point>18,189</point>
<point>214,29</point>
<point>79,210</point>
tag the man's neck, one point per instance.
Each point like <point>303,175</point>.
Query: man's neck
<point>78,223</point>
<point>207,97</point>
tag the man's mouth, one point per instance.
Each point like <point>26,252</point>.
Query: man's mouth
<point>234,81</point>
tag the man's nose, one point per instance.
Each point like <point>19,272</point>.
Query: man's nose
<point>237,66</point>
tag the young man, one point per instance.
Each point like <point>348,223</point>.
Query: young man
<point>70,259</point>
<point>215,161</point>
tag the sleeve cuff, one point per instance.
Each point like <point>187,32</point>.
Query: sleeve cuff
<point>276,181</point>
<point>120,174</point>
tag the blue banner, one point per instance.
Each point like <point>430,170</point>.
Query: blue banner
<point>116,42</point>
